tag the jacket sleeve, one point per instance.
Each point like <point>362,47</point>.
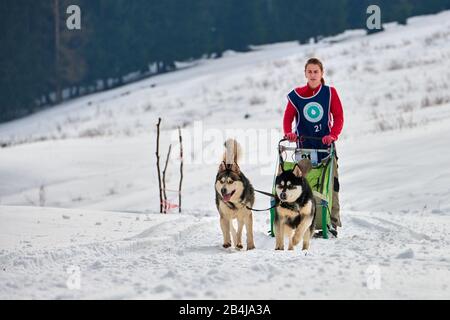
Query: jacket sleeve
<point>289,116</point>
<point>337,114</point>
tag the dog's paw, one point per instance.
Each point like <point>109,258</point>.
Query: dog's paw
<point>226,245</point>
<point>279,248</point>
<point>305,252</point>
<point>239,246</point>
<point>250,247</point>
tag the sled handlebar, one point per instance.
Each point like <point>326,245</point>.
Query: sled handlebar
<point>300,139</point>
<point>303,138</point>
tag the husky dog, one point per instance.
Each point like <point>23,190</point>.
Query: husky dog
<point>234,198</point>
<point>295,209</point>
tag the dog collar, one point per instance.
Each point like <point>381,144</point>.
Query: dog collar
<point>232,206</point>
<point>289,205</point>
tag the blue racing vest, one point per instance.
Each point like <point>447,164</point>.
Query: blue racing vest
<point>313,117</point>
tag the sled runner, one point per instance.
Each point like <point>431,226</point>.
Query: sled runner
<point>320,178</point>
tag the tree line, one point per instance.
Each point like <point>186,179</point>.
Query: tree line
<point>42,62</point>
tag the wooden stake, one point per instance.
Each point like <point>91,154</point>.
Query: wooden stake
<point>164,180</point>
<point>181,169</point>
<point>157,166</point>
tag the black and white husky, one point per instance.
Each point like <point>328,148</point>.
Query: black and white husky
<point>234,196</point>
<point>295,209</point>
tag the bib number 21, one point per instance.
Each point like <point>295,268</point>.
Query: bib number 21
<point>317,127</point>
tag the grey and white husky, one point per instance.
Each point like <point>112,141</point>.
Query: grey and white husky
<point>295,209</point>
<point>234,198</point>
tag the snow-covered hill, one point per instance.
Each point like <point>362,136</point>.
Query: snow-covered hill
<point>91,163</point>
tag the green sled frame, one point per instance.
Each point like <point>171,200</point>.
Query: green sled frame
<point>320,179</point>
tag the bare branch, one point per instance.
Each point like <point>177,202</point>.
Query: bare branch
<point>164,179</point>
<point>181,169</point>
<point>157,166</point>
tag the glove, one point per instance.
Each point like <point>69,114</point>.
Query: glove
<point>327,140</point>
<point>291,136</point>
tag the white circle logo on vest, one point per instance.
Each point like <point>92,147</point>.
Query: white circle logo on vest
<point>313,112</point>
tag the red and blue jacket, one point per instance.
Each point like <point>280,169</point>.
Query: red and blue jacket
<point>317,112</point>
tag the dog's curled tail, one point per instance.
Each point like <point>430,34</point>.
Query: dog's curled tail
<point>232,152</point>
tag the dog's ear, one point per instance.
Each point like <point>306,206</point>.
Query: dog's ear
<point>280,169</point>
<point>235,168</point>
<point>222,166</point>
<point>305,166</point>
<point>297,171</point>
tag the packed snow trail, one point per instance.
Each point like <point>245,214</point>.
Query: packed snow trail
<point>179,256</point>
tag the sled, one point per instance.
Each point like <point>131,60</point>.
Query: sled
<point>320,179</point>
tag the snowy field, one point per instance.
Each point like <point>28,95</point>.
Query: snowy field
<point>79,191</point>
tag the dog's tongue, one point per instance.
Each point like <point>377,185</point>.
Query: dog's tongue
<point>226,197</point>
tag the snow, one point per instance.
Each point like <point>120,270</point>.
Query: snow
<point>78,183</point>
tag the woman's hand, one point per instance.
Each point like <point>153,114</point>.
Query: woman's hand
<point>291,136</point>
<point>328,139</point>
